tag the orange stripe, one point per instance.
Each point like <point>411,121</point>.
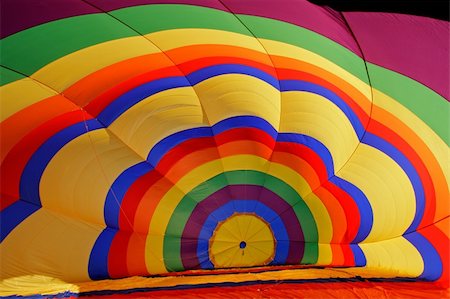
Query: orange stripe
<point>148,203</point>
<point>136,255</point>
<point>15,127</point>
<point>444,226</point>
<point>191,161</point>
<point>245,147</point>
<point>336,212</point>
<point>93,85</point>
<point>299,165</point>
<point>338,255</point>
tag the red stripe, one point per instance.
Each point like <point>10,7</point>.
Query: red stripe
<point>248,134</point>
<point>117,256</point>
<point>133,197</point>
<point>182,150</point>
<point>350,209</point>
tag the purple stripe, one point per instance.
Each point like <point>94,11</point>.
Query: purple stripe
<point>417,47</point>
<point>322,20</point>
<point>18,15</point>
<point>241,192</point>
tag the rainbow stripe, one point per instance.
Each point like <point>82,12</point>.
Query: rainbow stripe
<point>155,132</point>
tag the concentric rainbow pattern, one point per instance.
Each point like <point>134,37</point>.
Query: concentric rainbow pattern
<point>142,138</point>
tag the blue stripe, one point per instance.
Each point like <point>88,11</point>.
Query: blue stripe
<point>32,173</point>
<point>222,69</point>
<point>13,215</point>
<point>134,96</point>
<point>432,263</point>
<point>98,260</point>
<point>118,190</point>
<point>358,254</point>
<point>396,155</point>
<point>242,206</point>
<point>363,204</point>
<point>297,85</point>
<point>314,144</point>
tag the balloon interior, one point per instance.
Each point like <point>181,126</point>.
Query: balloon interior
<point>194,145</point>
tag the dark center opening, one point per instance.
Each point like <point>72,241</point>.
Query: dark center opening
<point>242,245</point>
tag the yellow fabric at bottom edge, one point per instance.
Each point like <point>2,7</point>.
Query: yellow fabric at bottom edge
<point>36,284</point>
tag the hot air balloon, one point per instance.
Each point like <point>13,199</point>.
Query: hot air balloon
<point>167,146</point>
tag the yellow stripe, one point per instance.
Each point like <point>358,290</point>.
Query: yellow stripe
<point>20,94</point>
<point>391,258</point>
<point>170,39</point>
<point>325,254</point>
<point>77,179</point>
<point>65,71</point>
<point>315,116</point>
<point>49,244</point>
<point>387,188</point>
<point>322,217</point>
<point>158,116</point>
<point>167,205</point>
<point>235,94</point>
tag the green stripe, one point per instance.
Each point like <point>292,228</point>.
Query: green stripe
<point>29,50</point>
<point>8,76</point>
<point>153,18</point>
<point>428,105</point>
<point>180,217</point>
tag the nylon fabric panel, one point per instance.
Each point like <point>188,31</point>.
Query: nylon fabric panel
<point>398,256</point>
<point>97,158</point>
<point>49,232</point>
<point>321,119</point>
<point>163,114</point>
<point>232,95</point>
<point>376,173</point>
